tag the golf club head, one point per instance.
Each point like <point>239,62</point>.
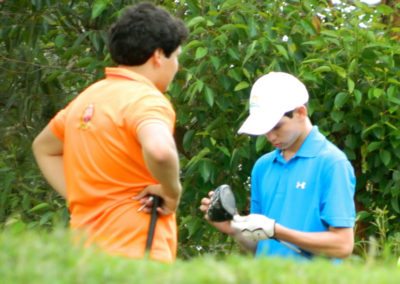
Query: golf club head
<point>223,204</point>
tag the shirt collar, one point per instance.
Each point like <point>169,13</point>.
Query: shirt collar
<point>123,73</point>
<point>312,144</point>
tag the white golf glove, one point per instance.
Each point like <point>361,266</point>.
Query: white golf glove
<point>254,226</point>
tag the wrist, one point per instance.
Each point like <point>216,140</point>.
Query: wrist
<point>274,230</point>
<point>173,191</point>
<point>269,227</point>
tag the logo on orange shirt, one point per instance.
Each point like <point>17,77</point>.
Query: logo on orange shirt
<point>87,117</point>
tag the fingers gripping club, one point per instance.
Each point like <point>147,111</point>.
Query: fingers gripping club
<point>254,226</point>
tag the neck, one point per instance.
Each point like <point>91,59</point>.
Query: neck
<point>140,69</point>
<point>292,150</point>
<point>146,70</point>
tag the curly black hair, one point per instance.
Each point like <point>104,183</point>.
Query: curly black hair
<point>141,30</point>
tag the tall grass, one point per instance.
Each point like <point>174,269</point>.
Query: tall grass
<point>32,256</point>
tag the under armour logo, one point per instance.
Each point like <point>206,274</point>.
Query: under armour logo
<point>301,185</point>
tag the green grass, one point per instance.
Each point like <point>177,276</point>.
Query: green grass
<point>30,256</point>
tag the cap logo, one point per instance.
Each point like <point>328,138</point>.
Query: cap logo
<point>255,102</point>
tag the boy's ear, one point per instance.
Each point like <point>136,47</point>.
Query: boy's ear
<point>157,56</point>
<point>302,111</point>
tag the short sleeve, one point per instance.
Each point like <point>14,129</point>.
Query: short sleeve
<point>337,200</point>
<point>255,191</point>
<point>57,124</point>
<point>148,109</point>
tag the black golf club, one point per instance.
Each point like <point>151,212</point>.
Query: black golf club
<point>223,204</point>
<point>153,221</point>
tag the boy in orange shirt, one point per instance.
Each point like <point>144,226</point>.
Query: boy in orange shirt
<point>112,146</point>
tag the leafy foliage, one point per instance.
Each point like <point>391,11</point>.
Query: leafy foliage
<point>51,50</point>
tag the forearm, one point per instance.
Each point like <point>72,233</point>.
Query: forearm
<point>161,157</point>
<point>165,169</point>
<point>48,152</point>
<point>337,242</point>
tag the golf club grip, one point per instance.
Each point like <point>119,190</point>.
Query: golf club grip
<point>153,221</point>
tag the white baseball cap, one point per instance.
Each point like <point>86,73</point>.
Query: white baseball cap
<point>272,95</point>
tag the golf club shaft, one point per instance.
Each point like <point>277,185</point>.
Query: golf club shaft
<point>153,221</point>
<point>290,246</point>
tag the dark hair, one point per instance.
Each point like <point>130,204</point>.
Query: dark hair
<point>141,30</point>
<point>290,113</point>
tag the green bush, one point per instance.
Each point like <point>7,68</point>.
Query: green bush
<point>33,256</point>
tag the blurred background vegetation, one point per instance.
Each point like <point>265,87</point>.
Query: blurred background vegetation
<point>347,53</point>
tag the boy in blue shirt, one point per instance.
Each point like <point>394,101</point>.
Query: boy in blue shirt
<point>302,192</point>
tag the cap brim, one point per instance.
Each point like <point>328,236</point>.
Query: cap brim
<point>257,124</point>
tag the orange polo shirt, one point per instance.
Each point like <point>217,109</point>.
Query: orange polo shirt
<point>104,166</point>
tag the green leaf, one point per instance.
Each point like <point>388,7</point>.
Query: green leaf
<point>242,85</point>
<point>307,26</point>
<point>46,217</point>
<point>390,125</point>
<point>313,60</point>
<point>375,93</point>
<point>190,45</point>
<point>352,66</point>
<point>385,156</point>
<point>330,33</point>
<point>205,170</point>
<point>396,175</point>
<point>199,85</point>
<point>341,99</point>
<point>59,41</point>
<point>384,9</point>
<point>282,51</point>
<point>260,143</point>
<point>351,141</point>
<point>233,54</point>
<point>234,159</point>
<point>96,40</point>
<point>98,8</point>
<point>374,146</point>
<point>201,52</point>
<point>250,51</point>
<point>246,74</point>
<point>370,128</point>
<point>85,61</point>
<point>339,70</point>
<point>187,139</point>
<point>322,69</point>
<point>195,21</point>
<point>337,116</point>
<point>393,80</point>
<point>357,96</point>
<point>199,156</point>
<point>215,62</point>
<point>350,85</point>
<point>209,95</point>
<point>395,204</point>
<point>363,215</point>
<point>40,207</point>
<point>210,23</point>
<point>224,150</point>
<point>229,4</point>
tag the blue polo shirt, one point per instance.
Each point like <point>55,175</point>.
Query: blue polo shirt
<point>311,192</point>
